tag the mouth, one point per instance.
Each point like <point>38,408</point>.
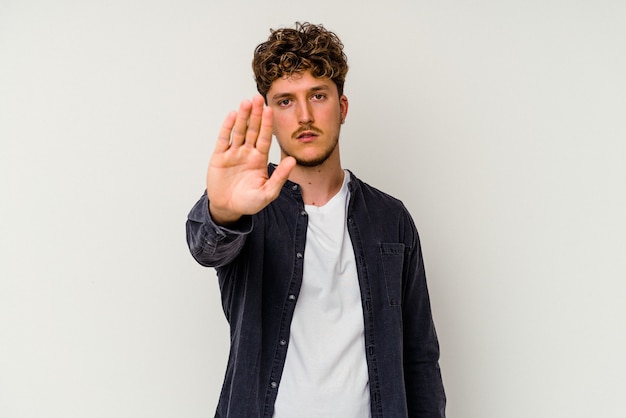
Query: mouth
<point>307,136</point>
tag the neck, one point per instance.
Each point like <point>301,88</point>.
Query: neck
<point>319,184</point>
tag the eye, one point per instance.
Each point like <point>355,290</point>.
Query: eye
<point>318,96</point>
<point>284,102</point>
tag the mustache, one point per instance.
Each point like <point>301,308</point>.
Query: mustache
<point>307,128</point>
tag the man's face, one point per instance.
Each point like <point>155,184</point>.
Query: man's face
<point>308,114</point>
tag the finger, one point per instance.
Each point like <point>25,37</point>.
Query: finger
<point>223,138</point>
<point>255,120</point>
<point>280,176</point>
<point>264,140</point>
<point>241,124</point>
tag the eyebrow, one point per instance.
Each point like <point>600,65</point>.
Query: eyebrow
<point>313,89</point>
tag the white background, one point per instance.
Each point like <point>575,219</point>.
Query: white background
<point>500,124</point>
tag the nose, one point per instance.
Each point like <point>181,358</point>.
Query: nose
<point>305,114</point>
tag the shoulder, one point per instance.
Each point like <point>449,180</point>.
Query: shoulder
<point>380,210</point>
<point>372,196</point>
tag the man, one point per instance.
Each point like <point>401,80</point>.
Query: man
<point>321,275</point>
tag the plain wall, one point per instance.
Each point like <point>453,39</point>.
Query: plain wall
<point>500,124</point>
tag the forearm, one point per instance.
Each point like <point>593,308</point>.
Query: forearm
<point>210,244</point>
<point>424,385</point>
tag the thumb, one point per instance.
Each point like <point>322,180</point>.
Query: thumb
<point>280,175</point>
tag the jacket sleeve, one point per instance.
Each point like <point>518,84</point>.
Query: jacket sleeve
<point>210,244</point>
<point>425,392</point>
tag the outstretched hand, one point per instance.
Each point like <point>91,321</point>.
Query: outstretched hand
<point>237,179</point>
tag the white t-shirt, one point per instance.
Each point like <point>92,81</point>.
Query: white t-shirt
<point>325,373</point>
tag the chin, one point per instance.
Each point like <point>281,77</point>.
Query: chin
<point>315,160</point>
<point>310,163</point>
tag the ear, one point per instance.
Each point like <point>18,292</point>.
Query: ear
<point>343,107</point>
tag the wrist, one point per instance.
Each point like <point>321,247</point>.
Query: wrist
<point>223,217</point>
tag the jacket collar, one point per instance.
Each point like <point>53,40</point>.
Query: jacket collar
<point>353,184</point>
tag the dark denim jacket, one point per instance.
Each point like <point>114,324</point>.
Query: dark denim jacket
<point>259,267</point>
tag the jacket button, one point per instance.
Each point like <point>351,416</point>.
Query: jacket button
<point>299,255</point>
<point>283,342</point>
<point>274,385</point>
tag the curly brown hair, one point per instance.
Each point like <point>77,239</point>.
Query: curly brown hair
<point>307,47</point>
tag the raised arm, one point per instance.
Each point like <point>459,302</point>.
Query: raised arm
<point>237,185</point>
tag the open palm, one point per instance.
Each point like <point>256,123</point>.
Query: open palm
<point>237,179</point>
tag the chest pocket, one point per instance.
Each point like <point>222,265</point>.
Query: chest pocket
<point>392,259</point>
